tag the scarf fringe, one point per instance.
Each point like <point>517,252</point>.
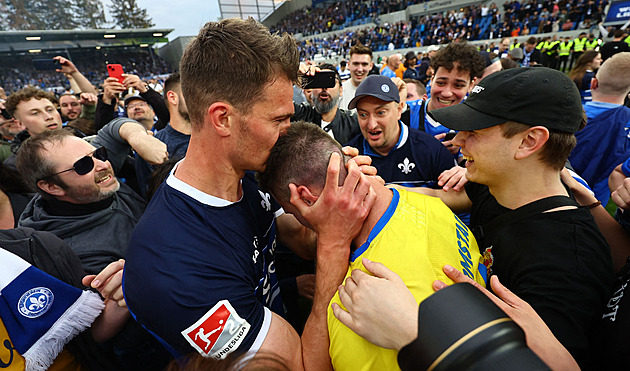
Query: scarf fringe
<point>78,317</point>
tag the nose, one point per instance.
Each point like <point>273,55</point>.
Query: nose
<point>460,138</point>
<point>100,165</point>
<point>447,92</point>
<point>49,116</point>
<point>371,122</point>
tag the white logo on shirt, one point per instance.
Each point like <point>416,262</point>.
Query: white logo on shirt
<point>406,166</point>
<point>265,203</point>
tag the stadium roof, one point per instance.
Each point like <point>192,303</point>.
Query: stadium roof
<point>50,40</point>
<point>257,9</point>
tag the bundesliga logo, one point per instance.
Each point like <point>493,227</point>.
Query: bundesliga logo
<point>219,332</point>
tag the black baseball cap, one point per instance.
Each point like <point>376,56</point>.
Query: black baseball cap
<point>377,86</point>
<point>533,96</point>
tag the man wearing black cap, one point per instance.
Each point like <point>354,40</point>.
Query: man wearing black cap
<point>107,102</point>
<point>138,109</point>
<point>401,155</point>
<point>516,131</point>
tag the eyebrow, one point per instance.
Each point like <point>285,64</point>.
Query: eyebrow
<point>285,116</point>
<point>457,80</point>
<point>378,107</point>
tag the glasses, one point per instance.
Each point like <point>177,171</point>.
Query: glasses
<point>85,164</point>
<point>134,105</point>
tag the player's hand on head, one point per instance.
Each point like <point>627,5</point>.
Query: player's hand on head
<point>364,162</point>
<point>339,212</point>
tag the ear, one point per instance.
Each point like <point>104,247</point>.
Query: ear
<point>306,195</point>
<point>532,140</point>
<point>172,97</point>
<point>221,117</point>
<point>51,188</point>
<point>594,83</point>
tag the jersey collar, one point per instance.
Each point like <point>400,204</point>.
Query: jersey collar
<point>382,222</point>
<point>193,192</point>
<point>402,139</point>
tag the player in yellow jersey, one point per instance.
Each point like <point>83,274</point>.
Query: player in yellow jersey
<point>412,234</point>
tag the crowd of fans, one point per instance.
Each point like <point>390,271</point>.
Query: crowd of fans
<point>475,22</point>
<point>338,15</point>
<point>18,71</point>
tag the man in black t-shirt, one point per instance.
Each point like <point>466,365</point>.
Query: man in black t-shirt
<point>516,132</point>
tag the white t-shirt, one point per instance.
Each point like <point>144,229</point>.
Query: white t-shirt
<point>348,93</point>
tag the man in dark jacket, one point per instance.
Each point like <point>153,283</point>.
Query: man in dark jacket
<point>325,112</point>
<point>80,200</point>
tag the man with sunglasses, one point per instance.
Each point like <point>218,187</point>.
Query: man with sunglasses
<point>79,198</point>
<point>34,109</point>
<point>80,201</point>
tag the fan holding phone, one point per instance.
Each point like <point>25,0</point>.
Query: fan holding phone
<point>325,89</point>
<point>150,103</point>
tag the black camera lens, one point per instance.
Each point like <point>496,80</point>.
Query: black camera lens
<point>461,329</point>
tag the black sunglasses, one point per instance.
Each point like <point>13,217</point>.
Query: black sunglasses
<point>85,164</point>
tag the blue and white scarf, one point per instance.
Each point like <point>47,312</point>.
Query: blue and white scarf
<point>41,313</point>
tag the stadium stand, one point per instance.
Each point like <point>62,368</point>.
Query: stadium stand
<point>471,23</point>
<point>90,50</point>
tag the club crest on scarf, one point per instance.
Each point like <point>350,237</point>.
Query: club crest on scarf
<point>35,302</point>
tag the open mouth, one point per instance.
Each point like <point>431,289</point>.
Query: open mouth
<point>104,179</point>
<point>445,102</point>
<point>469,160</point>
<point>52,126</point>
<point>324,96</point>
<point>374,134</point>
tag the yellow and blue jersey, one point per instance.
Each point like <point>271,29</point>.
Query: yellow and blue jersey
<point>416,236</point>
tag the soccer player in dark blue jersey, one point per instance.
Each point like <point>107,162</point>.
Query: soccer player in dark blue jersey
<point>200,271</point>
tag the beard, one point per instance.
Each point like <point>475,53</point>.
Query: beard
<point>183,113</point>
<point>325,107</point>
<point>90,193</point>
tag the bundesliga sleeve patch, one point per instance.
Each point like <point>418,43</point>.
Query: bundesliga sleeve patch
<point>219,332</point>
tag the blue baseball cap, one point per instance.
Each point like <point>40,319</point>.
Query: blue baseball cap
<point>377,86</point>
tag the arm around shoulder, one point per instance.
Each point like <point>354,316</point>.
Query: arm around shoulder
<point>457,201</point>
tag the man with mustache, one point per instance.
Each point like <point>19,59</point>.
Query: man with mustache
<point>79,198</point>
<point>340,124</point>
<point>81,201</point>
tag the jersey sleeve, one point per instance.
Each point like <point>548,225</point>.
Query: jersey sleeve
<point>187,284</point>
